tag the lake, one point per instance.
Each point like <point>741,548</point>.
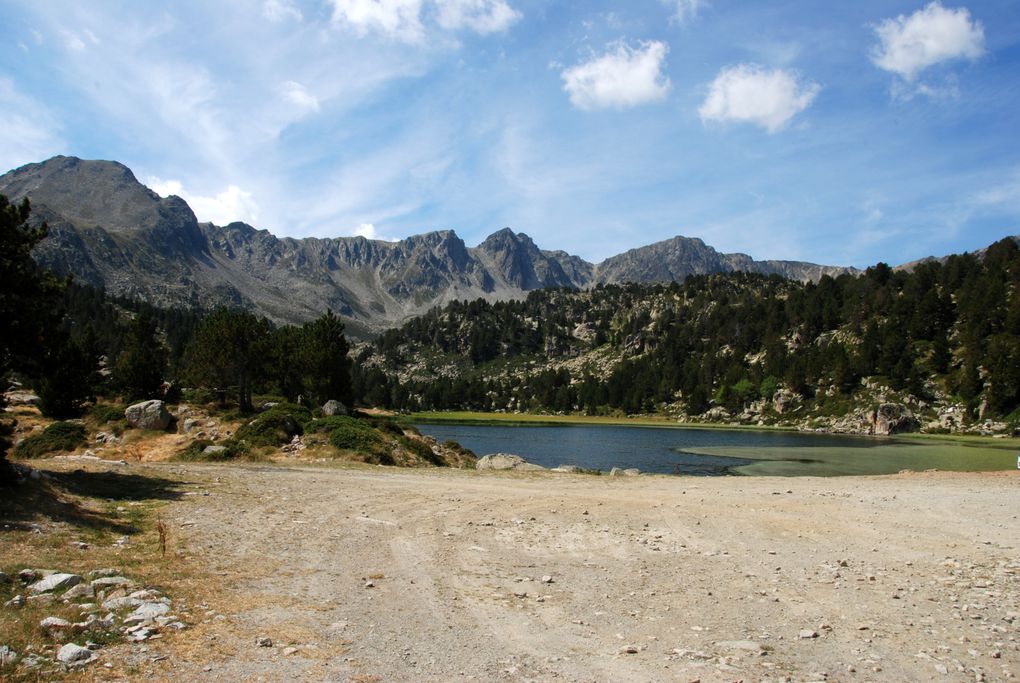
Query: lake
<point>718,452</point>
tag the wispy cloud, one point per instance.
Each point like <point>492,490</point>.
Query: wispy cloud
<point>749,93</point>
<point>28,131</point>
<point>622,77</point>
<point>685,10</point>
<point>910,44</point>
<point>481,16</point>
<point>298,95</point>
<point>281,10</point>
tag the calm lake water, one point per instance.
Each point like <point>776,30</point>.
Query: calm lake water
<point>716,452</point>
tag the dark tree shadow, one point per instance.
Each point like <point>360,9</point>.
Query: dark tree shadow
<point>24,507</point>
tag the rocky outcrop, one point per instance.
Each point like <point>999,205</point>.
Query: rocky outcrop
<point>893,418</point>
<point>505,461</point>
<point>109,230</point>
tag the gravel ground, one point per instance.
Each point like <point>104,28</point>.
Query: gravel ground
<point>430,575</point>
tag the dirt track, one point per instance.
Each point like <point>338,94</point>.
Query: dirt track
<point>901,578</point>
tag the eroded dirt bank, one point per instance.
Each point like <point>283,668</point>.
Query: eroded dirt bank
<point>387,575</point>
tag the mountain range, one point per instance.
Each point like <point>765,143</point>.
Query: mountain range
<point>109,230</point>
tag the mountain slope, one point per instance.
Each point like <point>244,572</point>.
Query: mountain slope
<point>109,230</point>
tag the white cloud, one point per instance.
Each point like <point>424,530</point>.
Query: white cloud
<point>400,19</point>
<point>685,9</point>
<point>623,77</point>
<point>280,10</point>
<point>370,232</point>
<point>28,132</point>
<point>296,94</point>
<point>233,204</point>
<point>749,93</point>
<point>909,45</point>
<point>481,16</point>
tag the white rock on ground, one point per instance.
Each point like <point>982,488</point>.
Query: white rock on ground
<point>54,582</point>
<point>75,655</point>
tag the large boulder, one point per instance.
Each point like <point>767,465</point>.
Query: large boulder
<point>333,407</point>
<point>894,418</point>
<point>148,415</point>
<point>505,461</point>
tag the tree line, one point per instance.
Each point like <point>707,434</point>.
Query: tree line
<point>950,328</point>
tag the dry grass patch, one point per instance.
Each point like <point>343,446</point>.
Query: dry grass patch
<point>79,519</point>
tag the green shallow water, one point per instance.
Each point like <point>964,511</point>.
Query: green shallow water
<point>827,461</point>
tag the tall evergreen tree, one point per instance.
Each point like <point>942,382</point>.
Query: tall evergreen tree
<point>230,351</point>
<point>141,366</point>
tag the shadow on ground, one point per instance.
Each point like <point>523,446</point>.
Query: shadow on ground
<point>65,498</point>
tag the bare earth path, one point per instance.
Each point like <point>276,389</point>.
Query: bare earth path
<point>904,578</point>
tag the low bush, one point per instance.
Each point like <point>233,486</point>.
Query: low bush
<point>233,450</point>
<point>355,435</point>
<point>59,436</point>
<point>104,413</point>
<point>274,427</point>
<point>422,450</point>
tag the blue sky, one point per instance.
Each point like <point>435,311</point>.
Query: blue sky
<point>843,133</point>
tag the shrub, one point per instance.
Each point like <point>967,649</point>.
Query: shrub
<point>422,450</point>
<point>355,435</point>
<point>59,436</point>
<point>104,413</point>
<point>325,425</point>
<point>274,427</point>
<point>195,452</point>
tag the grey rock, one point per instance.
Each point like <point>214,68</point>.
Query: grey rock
<point>27,576</point>
<point>148,415</point>
<point>333,407</point>
<point>75,655</point>
<point>54,624</point>
<point>214,450</point>
<point>121,603</point>
<point>107,571</point>
<point>505,461</point>
<point>263,641</point>
<point>190,425</point>
<point>7,656</point>
<point>807,634</point>
<point>567,469</point>
<point>147,611</point>
<point>54,582</point>
<point>82,590</point>
<point>111,581</point>
<point>893,418</point>
<point>17,602</point>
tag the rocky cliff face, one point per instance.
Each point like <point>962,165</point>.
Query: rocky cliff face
<point>109,230</point>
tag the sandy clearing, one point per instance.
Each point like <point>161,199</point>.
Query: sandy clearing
<point>681,570</point>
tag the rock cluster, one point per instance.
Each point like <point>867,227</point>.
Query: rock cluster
<point>109,603</point>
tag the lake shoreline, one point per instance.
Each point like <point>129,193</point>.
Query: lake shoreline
<point>530,419</point>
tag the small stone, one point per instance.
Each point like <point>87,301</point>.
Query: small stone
<point>82,590</point>
<point>147,611</point>
<point>547,579</point>
<point>369,584</point>
<point>55,627</point>
<point>807,634</point>
<point>17,602</point>
<point>629,650</point>
<point>289,650</point>
<point>262,641</point>
<point>7,656</point>
<point>110,581</point>
<point>75,655</point>
<point>121,603</point>
<point>27,576</point>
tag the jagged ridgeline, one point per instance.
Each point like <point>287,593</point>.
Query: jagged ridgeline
<point>941,337</point>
